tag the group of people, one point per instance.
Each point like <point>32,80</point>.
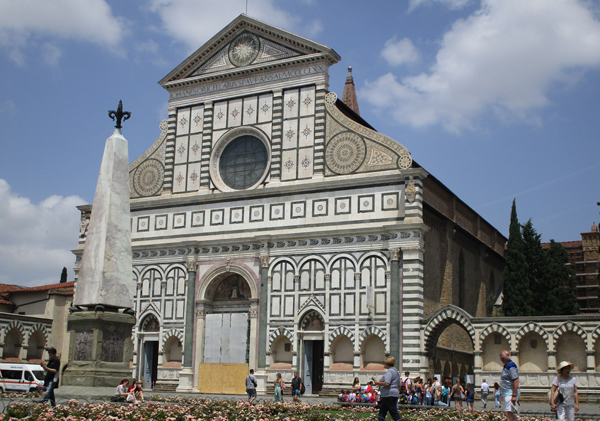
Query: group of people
<point>129,393</point>
<point>278,387</point>
<point>358,394</point>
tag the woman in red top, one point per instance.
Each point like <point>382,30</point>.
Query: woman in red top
<point>137,390</point>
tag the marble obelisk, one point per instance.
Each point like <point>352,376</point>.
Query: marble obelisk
<point>105,271</point>
<point>101,318</point>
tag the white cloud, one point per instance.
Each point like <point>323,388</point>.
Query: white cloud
<point>451,4</point>
<point>17,57</point>
<point>504,58</point>
<point>194,22</point>
<point>397,52</point>
<point>36,238</point>
<point>314,28</point>
<point>25,20</point>
<point>51,53</point>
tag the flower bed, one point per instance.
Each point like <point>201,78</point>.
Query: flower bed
<point>200,409</point>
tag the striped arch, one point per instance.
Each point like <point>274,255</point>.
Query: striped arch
<point>383,257</point>
<point>35,328</point>
<point>494,327</point>
<point>444,317</point>
<point>341,330</point>
<point>151,267</point>
<point>569,327</point>
<point>343,256</point>
<point>312,257</point>
<point>168,335</point>
<point>595,335</point>
<point>279,332</point>
<point>15,324</point>
<point>373,330</point>
<point>532,327</point>
<point>278,260</point>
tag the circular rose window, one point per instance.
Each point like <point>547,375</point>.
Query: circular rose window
<point>240,160</point>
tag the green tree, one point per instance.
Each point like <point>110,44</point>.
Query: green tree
<point>537,270</point>
<point>63,276</point>
<point>517,294</point>
<point>564,282</point>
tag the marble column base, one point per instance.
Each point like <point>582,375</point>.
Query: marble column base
<point>186,380</point>
<point>100,349</point>
<point>261,379</point>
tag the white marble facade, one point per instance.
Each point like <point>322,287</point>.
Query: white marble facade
<point>312,249</point>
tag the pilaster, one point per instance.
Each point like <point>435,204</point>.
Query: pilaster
<point>263,312</point>
<point>186,373</point>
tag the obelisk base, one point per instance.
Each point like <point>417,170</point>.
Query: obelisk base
<point>100,348</point>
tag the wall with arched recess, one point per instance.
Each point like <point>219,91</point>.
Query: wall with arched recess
<point>172,352</point>
<point>342,353</point>
<point>35,345</point>
<point>13,342</point>
<point>279,354</point>
<point>571,347</point>
<point>372,353</point>
<point>491,348</point>
<point>533,356</point>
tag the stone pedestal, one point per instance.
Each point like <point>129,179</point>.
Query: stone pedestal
<point>100,348</point>
<point>186,380</point>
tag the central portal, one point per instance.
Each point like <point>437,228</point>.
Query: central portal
<point>313,347</point>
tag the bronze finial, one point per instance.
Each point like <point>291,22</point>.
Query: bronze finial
<point>119,114</point>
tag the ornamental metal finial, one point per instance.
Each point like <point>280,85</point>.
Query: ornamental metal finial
<point>119,114</point>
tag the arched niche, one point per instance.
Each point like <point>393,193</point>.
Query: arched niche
<point>533,353</point>
<point>491,348</point>
<point>571,347</point>
<point>36,344</point>
<point>150,324</point>
<point>342,353</point>
<point>231,287</point>
<point>281,353</point>
<point>372,353</point>
<point>172,352</point>
<point>312,322</point>
<point>13,342</point>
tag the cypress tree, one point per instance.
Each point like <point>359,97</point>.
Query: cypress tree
<point>563,282</point>
<point>63,276</point>
<point>516,286</point>
<point>538,270</point>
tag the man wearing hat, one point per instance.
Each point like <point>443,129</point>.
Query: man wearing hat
<point>564,397</point>
<point>509,386</point>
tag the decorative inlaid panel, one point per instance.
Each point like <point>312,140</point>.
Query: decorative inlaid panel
<point>250,110</point>
<point>220,116</point>
<point>320,207</point>
<point>289,164</point>
<point>198,219</point>
<point>277,211</point>
<point>113,344</point>
<point>183,121</point>
<point>307,101</point>
<point>290,104</point>
<point>306,131</point>
<point>236,215</point>
<point>195,148</point>
<point>389,201</point>
<point>179,178</point>
<point>148,178</point>
<point>290,134</point>
<point>345,153</point>
<point>257,213</point>
<point>197,119</point>
<point>143,223</point>
<point>181,149</point>
<point>83,346</point>
<point>235,112</point>
<point>160,222</point>
<point>265,108</point>
<point>305,162</point>
<point>342,205</point>
<point>217,216</point>
<point>366,203</point>
<point>298,209</point>
<point>193,181</point>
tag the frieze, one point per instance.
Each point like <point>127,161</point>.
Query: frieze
<point>249,81</point>
<point>326,241</point>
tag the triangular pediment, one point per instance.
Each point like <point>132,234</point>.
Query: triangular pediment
<point>247,44</point>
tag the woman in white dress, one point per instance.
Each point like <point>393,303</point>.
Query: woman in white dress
<point>564,397</point>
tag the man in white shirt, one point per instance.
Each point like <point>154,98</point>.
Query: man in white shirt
<point>485,390</point>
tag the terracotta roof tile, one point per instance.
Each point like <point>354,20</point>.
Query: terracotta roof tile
<point>61,286</point>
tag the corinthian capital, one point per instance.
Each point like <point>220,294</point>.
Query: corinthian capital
<point>264,261</point>
<point>395,253</point>
<point>192,263</point>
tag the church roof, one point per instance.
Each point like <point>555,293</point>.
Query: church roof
<point>267,46</point>
<point>349,95</point>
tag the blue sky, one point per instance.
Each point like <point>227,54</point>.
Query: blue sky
<point>498,99</point>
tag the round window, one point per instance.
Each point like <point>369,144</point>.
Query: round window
<point>243,162</point>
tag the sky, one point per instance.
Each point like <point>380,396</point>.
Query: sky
<point>498,99</point>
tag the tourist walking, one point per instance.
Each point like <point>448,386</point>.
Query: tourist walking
<point>458,395</point>
<point>509,386</point>
<point>251,384</point>
<point>485,390</point>
<point>564,396</point>
<point>497,395</point>
<point>278,393</point>
<point>52,375</point>
<point>471,394</point>
<point>389,386</point>
<point>296,386</point>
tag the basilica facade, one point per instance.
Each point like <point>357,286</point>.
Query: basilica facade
<point>274,229</point>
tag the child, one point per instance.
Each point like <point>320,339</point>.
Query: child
<point>351,397</point>
<point>471,393</point>
<point>341,396</point>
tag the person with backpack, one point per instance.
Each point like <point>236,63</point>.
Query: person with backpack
<point>251,386</point>
<point>297,386</point>
<point>389,385</point>
<point>564,398</point>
